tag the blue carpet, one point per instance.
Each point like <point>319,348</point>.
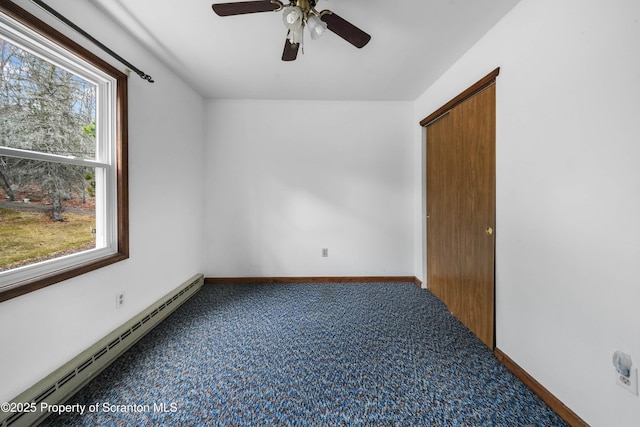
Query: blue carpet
<point>303,354</point>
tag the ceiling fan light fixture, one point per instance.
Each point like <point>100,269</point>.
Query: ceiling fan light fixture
<point>295,36</point>
<point>292,17</point>
<point>316,27</point>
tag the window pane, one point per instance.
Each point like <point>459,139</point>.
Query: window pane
<point>47,210</point>
<point>43,107</point>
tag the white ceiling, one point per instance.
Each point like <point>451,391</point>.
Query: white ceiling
<point>238,57</point>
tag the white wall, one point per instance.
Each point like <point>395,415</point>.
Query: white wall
<point>46,328</point>
<point>285,179</point>
<point>568,193</point>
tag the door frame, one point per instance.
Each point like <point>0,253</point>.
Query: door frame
<point>475,88</point>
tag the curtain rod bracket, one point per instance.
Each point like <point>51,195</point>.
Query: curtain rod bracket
<point>62,18</point>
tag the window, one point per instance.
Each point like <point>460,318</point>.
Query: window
<point>63,157</point>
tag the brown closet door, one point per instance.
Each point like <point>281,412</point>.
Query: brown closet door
<point>461,212</point>
<point>444,180</point>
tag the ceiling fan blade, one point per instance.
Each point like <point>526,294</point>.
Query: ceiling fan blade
<point>290,52</point>
<point>345,29</point>
<point>242,7</point>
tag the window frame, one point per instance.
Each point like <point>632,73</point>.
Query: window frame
<point>120,250</point>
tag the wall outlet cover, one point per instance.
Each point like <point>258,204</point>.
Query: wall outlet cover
<point>119,300</point>
<point>629,383</point>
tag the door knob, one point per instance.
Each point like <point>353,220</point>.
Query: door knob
<point>489,231</point>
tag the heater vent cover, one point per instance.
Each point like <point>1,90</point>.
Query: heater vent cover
<point>68,379</point>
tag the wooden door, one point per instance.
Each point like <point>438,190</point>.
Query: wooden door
<point>478,216</point>
<point>461,211</point>
<point>444,168</point>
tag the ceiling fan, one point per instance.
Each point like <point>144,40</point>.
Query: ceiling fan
<point>296,15</point>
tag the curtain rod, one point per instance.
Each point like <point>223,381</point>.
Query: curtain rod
<point>90,37</point>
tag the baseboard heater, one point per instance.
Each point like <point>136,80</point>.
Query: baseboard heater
<point>68,379</point>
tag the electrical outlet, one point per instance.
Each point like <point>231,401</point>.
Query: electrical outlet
<point>119,300</point>
<point>629,383</point>
<point>325,252</point>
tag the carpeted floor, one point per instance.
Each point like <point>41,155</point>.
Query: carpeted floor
<point>385,354</point>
